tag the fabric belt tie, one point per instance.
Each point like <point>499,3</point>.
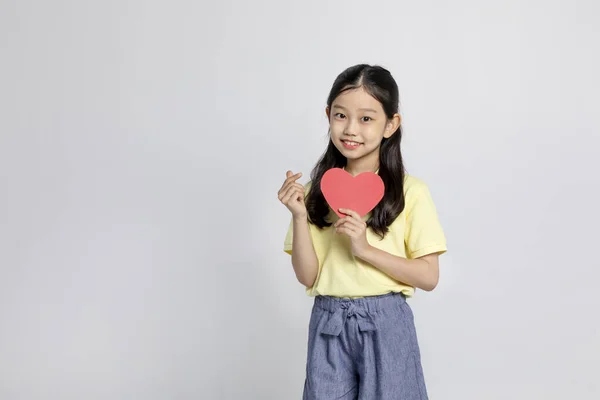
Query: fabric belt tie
<point>346,310</point>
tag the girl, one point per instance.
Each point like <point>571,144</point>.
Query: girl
<point>362,342</point>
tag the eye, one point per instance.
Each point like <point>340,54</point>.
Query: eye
<point>367,119</point>
<point>340,115</point>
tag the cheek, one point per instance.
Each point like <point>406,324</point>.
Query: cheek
<point>336,129</point>
<point>376,133</point>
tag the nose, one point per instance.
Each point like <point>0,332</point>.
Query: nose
<point>350,129</point>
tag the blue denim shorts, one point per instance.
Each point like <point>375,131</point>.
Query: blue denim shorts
<point>363,349</point>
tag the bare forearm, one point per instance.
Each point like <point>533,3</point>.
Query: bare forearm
<point>422,273</point>
<point>304,258</point>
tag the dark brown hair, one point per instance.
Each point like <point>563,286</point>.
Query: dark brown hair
<point>380,84</point>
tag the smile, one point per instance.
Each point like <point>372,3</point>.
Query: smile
<point>350,144</point>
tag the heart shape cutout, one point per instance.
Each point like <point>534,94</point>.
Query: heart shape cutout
<point>360,193</point>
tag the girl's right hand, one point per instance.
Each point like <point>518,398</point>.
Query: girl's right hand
<point>291,195</point>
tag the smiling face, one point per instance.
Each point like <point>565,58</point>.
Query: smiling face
<point>357,124</point>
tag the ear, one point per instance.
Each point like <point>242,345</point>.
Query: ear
<point>392,125</point>
<point>327,112</point>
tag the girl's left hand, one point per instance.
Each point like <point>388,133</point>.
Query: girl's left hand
<point>355,228</point>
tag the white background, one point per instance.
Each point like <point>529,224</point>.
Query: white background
<point>142,145</point>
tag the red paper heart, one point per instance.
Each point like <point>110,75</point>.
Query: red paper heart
<point>360,193</point>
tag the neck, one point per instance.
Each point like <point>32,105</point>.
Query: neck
<point>355,167</point>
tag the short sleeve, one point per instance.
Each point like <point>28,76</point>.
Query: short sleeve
<point>423,234</point>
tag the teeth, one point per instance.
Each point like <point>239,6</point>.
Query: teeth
<point>351,143</point>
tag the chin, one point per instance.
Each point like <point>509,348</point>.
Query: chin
<point>349,154</point>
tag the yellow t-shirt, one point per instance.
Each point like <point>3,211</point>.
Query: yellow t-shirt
<point>416,232</point>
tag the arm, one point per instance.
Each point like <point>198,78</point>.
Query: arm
<point>422,272</point>
<point>304,258</point>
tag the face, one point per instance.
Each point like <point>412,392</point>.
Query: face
<point>357,126</point>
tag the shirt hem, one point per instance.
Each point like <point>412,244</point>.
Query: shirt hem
<point>438,248</point>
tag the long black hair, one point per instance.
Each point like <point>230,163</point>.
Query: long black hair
<point>379,83</point>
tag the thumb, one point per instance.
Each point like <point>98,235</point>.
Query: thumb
<point>288,174</point>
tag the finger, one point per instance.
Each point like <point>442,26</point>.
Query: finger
<point>342,221</point>
<point>293,186</point>
<point>357,223</point>
<point>299,196</point>
<point>283,191</point>
<point>352,213</point>
<point>292,177</point>
<point>347,225</point>
<point>288,177</point>
<point>288,197</point>
<point>341,228</point>
<point>293,194</point>
<point>288,193</point>
<point>346,230</point>
<point>287,187</point>
<point>299,189</point>
<point>354,217</point>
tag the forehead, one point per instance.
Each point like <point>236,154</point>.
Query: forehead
<point>355,99</point>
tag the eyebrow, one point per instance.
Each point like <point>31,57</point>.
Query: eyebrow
<point>360,109</point>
